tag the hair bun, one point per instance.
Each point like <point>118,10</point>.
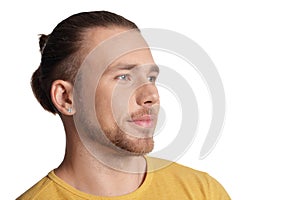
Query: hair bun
<point>43,41</point>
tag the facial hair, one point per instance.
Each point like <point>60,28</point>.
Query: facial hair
<point>114,137</point>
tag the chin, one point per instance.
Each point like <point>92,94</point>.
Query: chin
<point>142,146</point>
<point>135,146</point>
<point>129,141</point>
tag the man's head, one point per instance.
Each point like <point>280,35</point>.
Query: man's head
<point>65,48</point>
<point>125,98</point>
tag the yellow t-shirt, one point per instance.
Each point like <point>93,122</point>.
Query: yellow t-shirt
<point>172,181</point>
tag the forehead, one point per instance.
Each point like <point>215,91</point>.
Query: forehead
<point>137,57</point>
<point>109,46</point>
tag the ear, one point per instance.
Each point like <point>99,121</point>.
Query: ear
<point>62,97</point>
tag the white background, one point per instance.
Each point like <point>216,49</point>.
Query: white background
<point>255,46</point>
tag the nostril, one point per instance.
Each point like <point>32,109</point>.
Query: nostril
<point>147,95</point>
<point>148,102</point>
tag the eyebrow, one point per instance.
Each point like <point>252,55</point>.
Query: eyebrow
<point>154,68</point>
<point>125,66</point>
<point>122,66</point>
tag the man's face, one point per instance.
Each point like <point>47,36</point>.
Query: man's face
<point>127,101</point>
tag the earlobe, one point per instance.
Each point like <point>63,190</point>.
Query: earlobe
<point>62,97</point>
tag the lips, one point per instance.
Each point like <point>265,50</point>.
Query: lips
<point>146,121</point>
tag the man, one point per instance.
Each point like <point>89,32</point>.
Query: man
<point>98,74</point>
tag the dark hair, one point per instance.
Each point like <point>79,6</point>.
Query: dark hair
<point>60,51</point>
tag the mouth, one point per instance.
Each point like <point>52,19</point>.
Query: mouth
<point>145,121</point>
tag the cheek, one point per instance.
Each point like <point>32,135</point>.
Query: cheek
<point>112,103</point>
<point>132,105</point>
<point>121,99</point>
<point>103,99</point>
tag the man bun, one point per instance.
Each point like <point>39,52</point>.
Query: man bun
<point>43,41</point>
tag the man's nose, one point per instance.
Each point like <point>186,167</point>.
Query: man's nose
<point>147,95</point>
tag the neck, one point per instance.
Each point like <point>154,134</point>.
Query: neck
<point>107,174</point>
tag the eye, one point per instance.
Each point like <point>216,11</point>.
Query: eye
<point>124,77</point>
<point>152,78</point>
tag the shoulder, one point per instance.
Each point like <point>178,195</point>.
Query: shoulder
<point>35,191</point>
<point>44,189</point>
